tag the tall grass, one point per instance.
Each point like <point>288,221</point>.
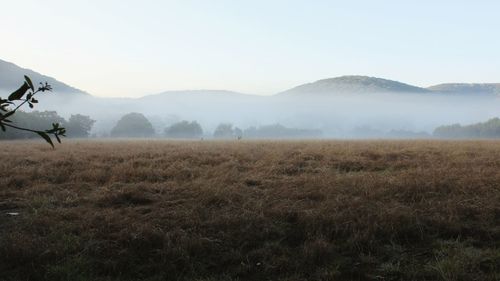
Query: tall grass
<point>250,210</point>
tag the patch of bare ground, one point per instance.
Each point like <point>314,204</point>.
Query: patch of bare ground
<point>250,210</point>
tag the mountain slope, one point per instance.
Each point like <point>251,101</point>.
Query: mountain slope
<point>11,77</point>
<point>467,88</point>
<point>354,85</point>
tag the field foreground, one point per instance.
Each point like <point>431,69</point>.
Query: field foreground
<point>319,210</point>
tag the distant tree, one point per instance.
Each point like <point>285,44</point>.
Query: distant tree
<point>280,131</point>
<point>26,95</point>
<point>238,133</point>
<point>406,134</point>
<point>79,126</point>
<point>224,131</point>
<point>184,129</point>
<point>133,125</point>
<point>450,131</point>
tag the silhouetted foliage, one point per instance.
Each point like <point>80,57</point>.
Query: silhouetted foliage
<point>35,120</point>
<point>133,125</point>
<point>488,129</point>
<point>26,95</point>
<point>79,126</point>
<point>184,129</point>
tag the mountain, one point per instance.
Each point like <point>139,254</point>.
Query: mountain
<point>11,77</point>
<point>354,85</point>
<point>467,88</point>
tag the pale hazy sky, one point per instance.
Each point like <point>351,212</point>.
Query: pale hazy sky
<point>133,48</point>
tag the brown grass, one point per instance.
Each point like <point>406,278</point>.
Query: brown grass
<point>274,210</point>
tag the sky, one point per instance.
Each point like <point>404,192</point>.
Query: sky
<point>134,48</point>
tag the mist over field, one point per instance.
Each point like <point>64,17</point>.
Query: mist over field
<point>342,107</point>
<point>337,116</point>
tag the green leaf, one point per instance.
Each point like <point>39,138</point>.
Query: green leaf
<point>2,126</point>
<point>45,137</point>
<point>28,80</point>
<point>19,93</point>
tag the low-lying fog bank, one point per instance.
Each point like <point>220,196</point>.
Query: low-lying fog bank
<point>339,116</point>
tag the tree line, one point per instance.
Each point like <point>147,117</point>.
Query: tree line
<point>488,129</point>
<point>77,126</point>
<point>137,125</point>
<point>25,125</point>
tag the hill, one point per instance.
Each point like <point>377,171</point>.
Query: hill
<point>467,88</point>
<point>11,76</point>
<point>354,85</point>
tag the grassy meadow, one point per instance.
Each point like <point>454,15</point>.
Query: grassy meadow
<point>250,210</point>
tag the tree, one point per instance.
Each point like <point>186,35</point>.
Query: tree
<point>133,125</point>
<point>79,126</point>
<point>224,131</point>
<point>280,131</point>
<point>11,105</point>
<point>184,129</point>
<point>238,133</point>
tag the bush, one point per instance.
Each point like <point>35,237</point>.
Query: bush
<point>133,125</point>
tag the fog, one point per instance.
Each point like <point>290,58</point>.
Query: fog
<point>373,115</point>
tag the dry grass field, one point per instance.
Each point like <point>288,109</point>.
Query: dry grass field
<point>249,210</point>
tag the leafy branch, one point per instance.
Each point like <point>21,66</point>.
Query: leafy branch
<point>22,98</point>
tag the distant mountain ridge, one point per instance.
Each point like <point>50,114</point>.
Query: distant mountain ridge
<point>354,84</point>
<point>467,88</point>
<point>11,77</point>
<point>339,107</point>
